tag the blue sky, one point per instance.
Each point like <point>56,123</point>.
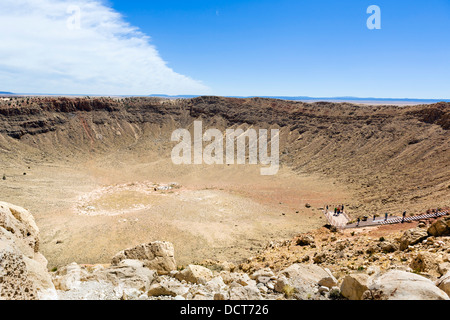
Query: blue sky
<point>319,48</point>
<point>294,47</point>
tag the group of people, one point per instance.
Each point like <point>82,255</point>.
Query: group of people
<point>337,210</point>
<point>385,218</point>
<point>340,209</point>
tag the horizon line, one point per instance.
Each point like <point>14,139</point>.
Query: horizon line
<point>282,97</point>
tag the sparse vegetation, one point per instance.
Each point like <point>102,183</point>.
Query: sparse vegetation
<point>335,294</point>
<point>288,291</point>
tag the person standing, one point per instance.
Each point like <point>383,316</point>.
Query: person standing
<point>404,215</point>
<point>385,216</point>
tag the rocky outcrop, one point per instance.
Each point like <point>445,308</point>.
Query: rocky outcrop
<point>148,271</point>
<point>69,277</point>
<point>305,240</point>
<point>195,274</point>
<point>128,274</point>
<point>388,246</point>
<point>354,286</point>
<point>401,285</point>
<point>156,255</point>
<point>23,270</point>
<point>444,283</point>
<point>440,227</point>
<point>14,281</point>
<point>411,237</point>
<point>424,262</point>
<point>304,280</point>
<point>167,287</point>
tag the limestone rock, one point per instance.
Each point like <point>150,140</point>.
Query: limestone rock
<point>266,272</point>
<point>401,285</point>
<point>21,223</point>
<point>167,287</point>
<point>245,293</point>
<point>38,273</point>
<point>69,277</point>
<point>440,227</point>
<point>425,262</point>
<point>216,284</point>
<point>156,255</point>
<point>307,273</point>
<point>303,279</point>
<point>281,284</point>
<point>411,237</point>
<point>23,270</point>
<point>240,278</point>
<point>195,274</point>
<point>444,283</point>
<point>354,286</point>
<point>323,289</point>
<point>14,281</point>
<point>388,246</point>
<point>328,281</point>
<point>443,268</point>
<point>128,274</point>
<point>221,296</point>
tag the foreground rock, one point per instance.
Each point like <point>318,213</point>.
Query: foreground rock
<point>195,274</point>
<point>23,270</point>
<point>444,283</point>
<point>401,285</point>
<point>354,286</point>
<point>440,227</point>
<point>411,237</point>
<point>303,281</point>
<point>364,269</point>
<point>156,255</point>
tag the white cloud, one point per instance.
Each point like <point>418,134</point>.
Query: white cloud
<point>41,52</point>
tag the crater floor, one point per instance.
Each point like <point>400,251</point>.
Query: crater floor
<point>90,210</point>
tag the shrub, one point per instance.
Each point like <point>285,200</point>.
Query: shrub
<point>335,294</point>
<point>288,291</point>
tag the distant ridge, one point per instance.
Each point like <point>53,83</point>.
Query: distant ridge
<point>350,99</point>
<point>330,99</point>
